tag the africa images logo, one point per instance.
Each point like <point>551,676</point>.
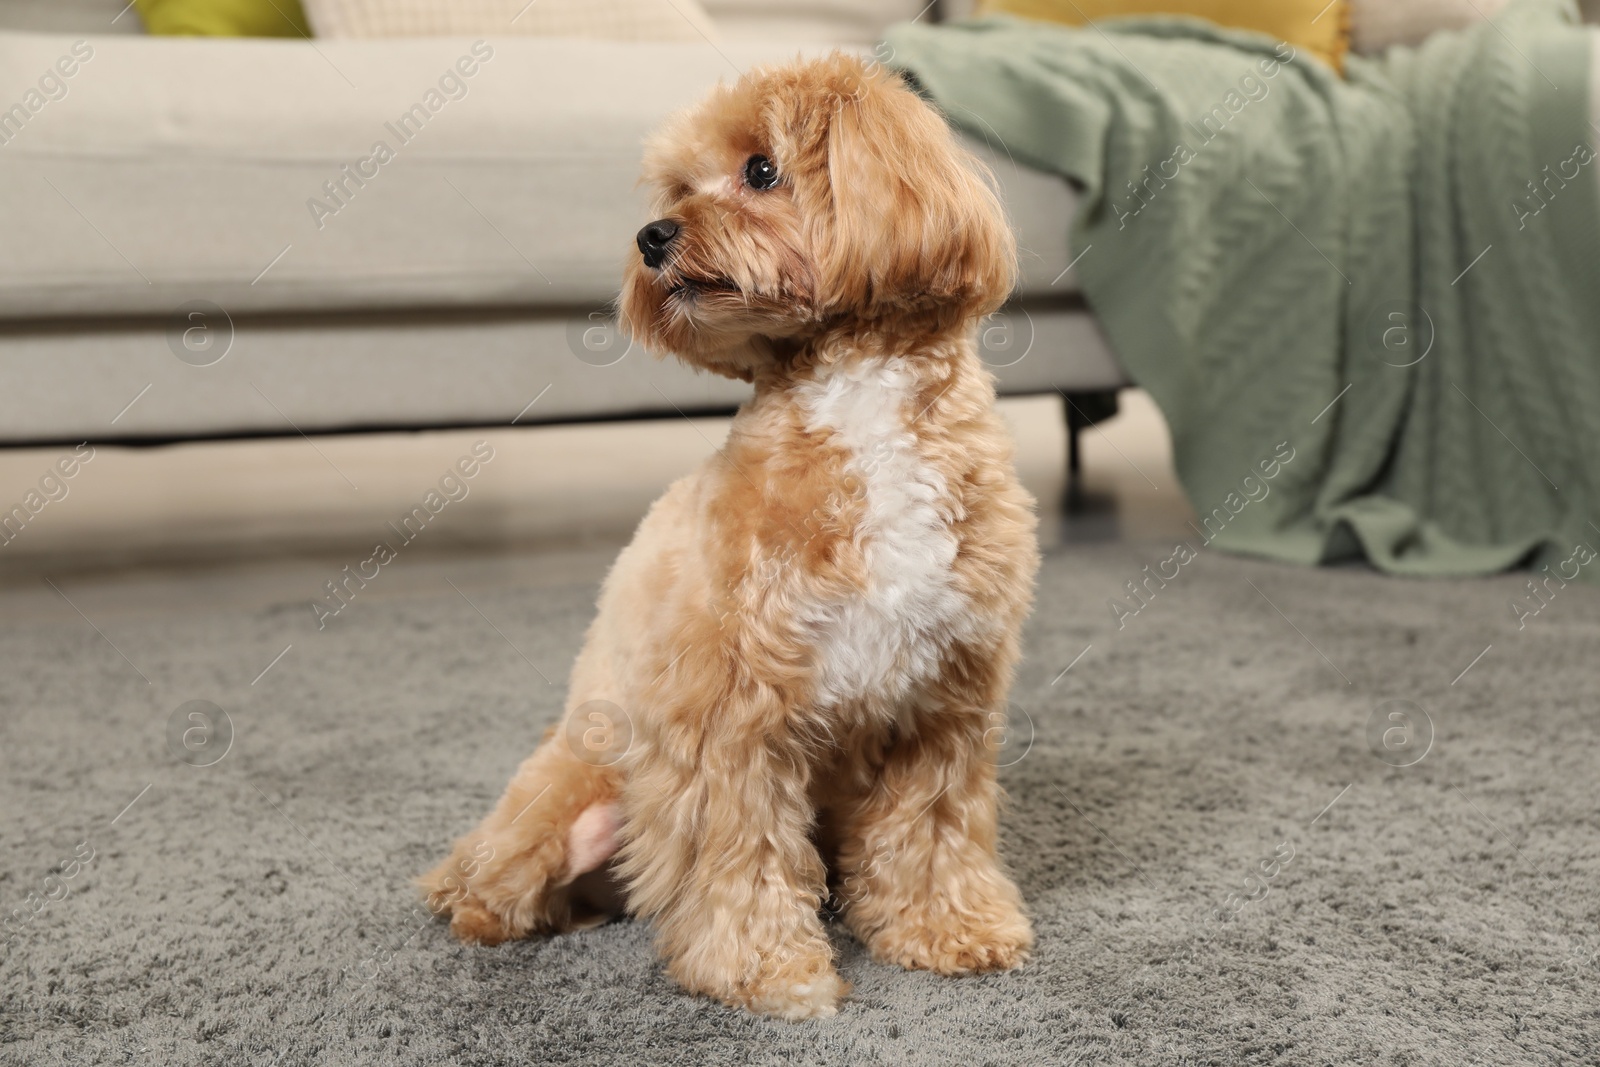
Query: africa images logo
<point>52,86</point>
<point>453,487</point>
<point>353,177</point>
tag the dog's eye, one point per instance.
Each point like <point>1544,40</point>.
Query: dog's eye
<point>760,172</point>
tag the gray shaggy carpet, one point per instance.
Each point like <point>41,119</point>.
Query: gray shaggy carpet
<point>1233,850</point>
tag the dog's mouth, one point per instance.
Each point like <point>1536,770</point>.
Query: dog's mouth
<point>689,287</point>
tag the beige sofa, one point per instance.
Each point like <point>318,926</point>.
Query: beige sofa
<point>201,240</point>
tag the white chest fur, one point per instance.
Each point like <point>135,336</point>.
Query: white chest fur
<point>881,642</point>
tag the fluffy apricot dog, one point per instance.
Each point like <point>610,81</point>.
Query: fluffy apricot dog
<point>799,667</point>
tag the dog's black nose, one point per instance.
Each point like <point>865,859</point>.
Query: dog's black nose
<point>655,239</point>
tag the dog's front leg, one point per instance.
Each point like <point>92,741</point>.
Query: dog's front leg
<point>718,852</point>
<point>920,882</point>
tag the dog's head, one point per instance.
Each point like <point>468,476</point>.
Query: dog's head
<point>808,198</point>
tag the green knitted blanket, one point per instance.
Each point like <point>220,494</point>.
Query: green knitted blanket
<point>1369,308</point>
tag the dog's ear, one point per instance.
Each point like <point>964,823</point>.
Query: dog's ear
<point>914,226</point>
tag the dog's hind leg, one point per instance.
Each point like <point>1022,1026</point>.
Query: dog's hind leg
<point>515,874</point>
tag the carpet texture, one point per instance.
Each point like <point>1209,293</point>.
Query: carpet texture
<point>1225,861</point>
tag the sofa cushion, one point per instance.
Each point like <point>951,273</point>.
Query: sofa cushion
<point>284,176</point>
<point>859,22</point>
<point>1377,25</point>
<point>612,20</point>
<point>70,16</point>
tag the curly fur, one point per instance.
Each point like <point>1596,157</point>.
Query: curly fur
<point>811,636</point>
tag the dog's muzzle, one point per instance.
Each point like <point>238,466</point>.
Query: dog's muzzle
<point>655,240</point>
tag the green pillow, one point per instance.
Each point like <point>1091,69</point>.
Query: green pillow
<point>224,18</point>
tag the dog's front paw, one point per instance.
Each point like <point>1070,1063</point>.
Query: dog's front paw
<point>793,983</point>
<point>813,997</point>
<point>955,944</point>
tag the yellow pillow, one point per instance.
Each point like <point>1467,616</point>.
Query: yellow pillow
<point>223,18</point>
<point>1318,26</point>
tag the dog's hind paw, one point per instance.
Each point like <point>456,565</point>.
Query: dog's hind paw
<point>474,924</point>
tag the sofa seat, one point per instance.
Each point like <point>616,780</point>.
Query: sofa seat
<point>460,282</point>
<point>249,173</point>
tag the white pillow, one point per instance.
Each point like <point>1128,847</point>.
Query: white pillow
<point>1376,25</point>
<point>617,20</point>
<point>813,21</point>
